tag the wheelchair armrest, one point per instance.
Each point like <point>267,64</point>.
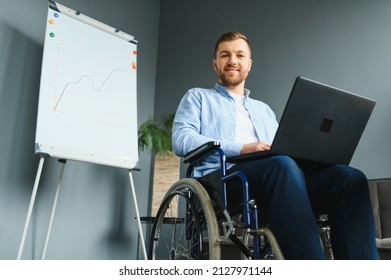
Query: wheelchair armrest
<point>200,152</point>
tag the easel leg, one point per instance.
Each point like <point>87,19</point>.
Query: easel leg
<point>54,207</point>
<point>140,230</point>
<point>31,206</point>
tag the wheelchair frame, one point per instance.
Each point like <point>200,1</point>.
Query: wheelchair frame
<point>206,222</point>
<point>193,220</point>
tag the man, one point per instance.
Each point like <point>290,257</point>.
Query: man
<point>288,191</point>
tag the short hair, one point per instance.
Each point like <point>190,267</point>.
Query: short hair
<point>230,36</point>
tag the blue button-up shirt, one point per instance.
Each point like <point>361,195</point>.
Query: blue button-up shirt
<point>205,115</point>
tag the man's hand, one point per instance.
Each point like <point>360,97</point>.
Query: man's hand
<point>254,147</point>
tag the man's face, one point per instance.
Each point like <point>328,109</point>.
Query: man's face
<point>232,62</point>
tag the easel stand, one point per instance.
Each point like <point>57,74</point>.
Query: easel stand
<point>32,202</point>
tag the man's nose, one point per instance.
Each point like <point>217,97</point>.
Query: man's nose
<point>232,60</point>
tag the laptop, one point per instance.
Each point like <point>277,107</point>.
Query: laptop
<point>320,123</point>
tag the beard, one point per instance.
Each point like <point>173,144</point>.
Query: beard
<point>231,81</point>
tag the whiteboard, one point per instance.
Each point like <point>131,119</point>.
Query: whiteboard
<point>87,108</point>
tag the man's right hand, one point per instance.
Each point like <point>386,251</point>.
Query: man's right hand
<point>255,147</point>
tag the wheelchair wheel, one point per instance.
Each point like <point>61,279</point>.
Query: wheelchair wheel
<point>185,227</point>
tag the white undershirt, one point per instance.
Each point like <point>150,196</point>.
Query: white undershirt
<point>244,129</point>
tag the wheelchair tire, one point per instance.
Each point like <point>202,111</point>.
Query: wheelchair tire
<point>185,227</point>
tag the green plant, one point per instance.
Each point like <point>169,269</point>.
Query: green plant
<point>155,135</point>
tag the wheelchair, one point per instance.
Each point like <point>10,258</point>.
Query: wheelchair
<point>194,219</point>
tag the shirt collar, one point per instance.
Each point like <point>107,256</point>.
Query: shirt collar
<point>222,89</point>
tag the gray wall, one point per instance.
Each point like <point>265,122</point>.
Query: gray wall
<point>95,215</point>
<point>344,43</point>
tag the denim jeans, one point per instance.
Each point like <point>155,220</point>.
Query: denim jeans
<point>290,192</point>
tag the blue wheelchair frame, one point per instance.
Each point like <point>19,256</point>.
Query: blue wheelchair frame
<point>250,215</point>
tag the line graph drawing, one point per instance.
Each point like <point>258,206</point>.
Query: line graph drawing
<point>103,101</point>
<point>89,77</point>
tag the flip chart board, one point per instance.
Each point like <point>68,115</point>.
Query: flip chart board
<point>87,109</point>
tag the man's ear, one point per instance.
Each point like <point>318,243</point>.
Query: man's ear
<point>250,64</point>
<point>214,64</point>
